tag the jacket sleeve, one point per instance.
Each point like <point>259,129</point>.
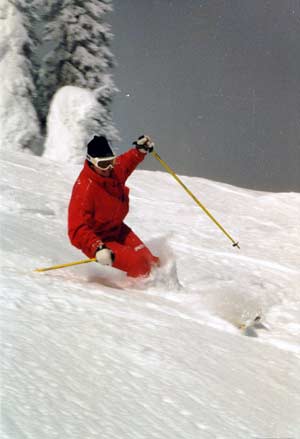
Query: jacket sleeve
<point>127,162</point>
<point>79,215</point>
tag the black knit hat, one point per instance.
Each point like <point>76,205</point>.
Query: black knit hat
<point>99,147</point>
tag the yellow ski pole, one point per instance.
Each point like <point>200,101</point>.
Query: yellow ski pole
<point>167,167</point>
<point>56,267</point>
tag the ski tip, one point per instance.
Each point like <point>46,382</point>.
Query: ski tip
<point>249,327</point>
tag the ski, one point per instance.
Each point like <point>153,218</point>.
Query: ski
<point>250,327</point>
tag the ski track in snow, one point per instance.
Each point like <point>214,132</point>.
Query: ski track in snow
<point>88,353</point>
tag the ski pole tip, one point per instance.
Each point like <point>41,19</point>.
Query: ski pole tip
<point>236,244</point>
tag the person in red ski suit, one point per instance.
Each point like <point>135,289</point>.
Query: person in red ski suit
<point>99,204</point>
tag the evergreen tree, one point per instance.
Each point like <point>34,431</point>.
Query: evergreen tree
<point>19,124</point>
<point>79,53</point>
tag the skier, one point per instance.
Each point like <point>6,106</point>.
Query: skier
<point>100,202</point>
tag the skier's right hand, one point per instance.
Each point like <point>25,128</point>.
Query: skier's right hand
<point>144,144</point>
<point>104,256</point>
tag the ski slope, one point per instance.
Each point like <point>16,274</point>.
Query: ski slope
<point>87,353</point>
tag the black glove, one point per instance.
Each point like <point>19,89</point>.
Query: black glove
<point>144,144</point>
<point>104,255</point>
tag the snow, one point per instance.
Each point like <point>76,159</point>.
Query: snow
<point>87,353</point>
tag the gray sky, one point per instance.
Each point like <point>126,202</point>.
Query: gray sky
<point>217,85</point>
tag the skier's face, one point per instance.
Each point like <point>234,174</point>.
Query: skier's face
<point>100,166</point>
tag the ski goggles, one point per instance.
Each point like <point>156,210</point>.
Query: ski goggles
<point>100,163</point>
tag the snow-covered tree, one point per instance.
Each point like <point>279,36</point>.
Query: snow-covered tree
<point>73,120</point>
<point>19,126</point>
<point>79,53</point>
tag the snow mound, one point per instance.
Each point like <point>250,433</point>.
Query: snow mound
<point>74,117</point>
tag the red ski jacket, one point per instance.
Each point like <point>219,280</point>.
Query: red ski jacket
<point>98,205</point>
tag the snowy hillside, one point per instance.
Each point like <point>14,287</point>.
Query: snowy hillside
<point>88,354</point>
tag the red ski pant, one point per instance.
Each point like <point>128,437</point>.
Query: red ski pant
<point>131,254</point>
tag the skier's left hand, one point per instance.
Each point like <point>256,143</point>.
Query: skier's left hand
<point>144,144</point>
